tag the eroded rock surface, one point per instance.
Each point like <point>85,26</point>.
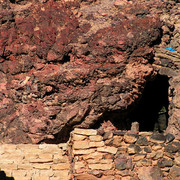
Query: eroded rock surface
<point>64,64</point>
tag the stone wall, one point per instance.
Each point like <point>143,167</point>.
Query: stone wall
<point>35,162</point>
<point>124,155</point>
<point>95,154</point>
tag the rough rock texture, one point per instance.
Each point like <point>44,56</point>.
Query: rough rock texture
<point>65,64</point>
<point>168,63</point>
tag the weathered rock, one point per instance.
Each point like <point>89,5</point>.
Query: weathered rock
<point>122,162</point>
<point>98,174</point>
<point>149,173</point>
<point>165,163</point>
<point>85,176</point>
<point>174,173</point>
<point>60,70</point>
<point>172,147</point>
<point>107,135</point>
<point>169,137</point>
<point>157,138</point>
<point>132,149</point>
<point>147,149</point>
<point>142,141</point>
<point>130,138</point>
<point>117,141</point>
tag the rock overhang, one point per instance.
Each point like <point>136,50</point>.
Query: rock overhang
<point>54,81</point>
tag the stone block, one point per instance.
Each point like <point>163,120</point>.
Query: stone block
<point>83,151</point>
<point>172,147</point>
<point>78,137</point>
<point>96,144</point>
<point>40,160</point>
<point>49,148</point>
<point>107,135</point>
<point>40,177</point>
<point>117,141</point>
<point>22,178</point>
<point>130,138</point>
<point>174,173</point>
<point>145,133</point>
<point>124,173</point>
<point>142,141</point>
<point>61,175</point>
<point>32,151</point>
<point>48,173</point>
<point>96,173</point>
<point>87,132</point>
<point>45,156</point>
<point>122,150</point>
<point>29,156</point>
<point>109,142</point>
<point>107,149</point>
<point>63,166</point>
<point>8,166</point>
<point>165,163</point>
<point>157,138</point>
<point>24,166</point>
<point>107,178</point>
<point>143,162</point>
<point>158,154</point>
<point>139,157</point>
<point>147,149</point>
<point>100,166</point>
<point>133,149</point>
<point>177,160</point>
<point>85,177</point>
<point>1,150</point>
<point>60,159</point>
<point>81,145</point>
<point>25,147</point>
<point>96,138</point>
<point>41,166</point>
<point>79,165</point>
<point>157,147</point>
<point>94,155</point>
<point>123,162</point>
<point>101,161</point>
<point>126,178</point>
<point>9,148</point>
<point>13,156</point>
<point>6,161</point>
<point>19,173</point>
<point>149,173</point>
<point>169,137</point>
<point>60,178</point>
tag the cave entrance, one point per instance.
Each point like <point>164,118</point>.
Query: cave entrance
<point>151,111</point>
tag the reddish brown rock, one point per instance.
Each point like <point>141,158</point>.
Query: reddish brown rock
<point>60,70</point>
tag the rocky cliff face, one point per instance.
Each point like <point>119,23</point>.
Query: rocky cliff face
<point>65,64</point>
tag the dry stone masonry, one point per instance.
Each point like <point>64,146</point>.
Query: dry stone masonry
<point>124,155</point>
<point>91,154</point>
<point>35,162</point>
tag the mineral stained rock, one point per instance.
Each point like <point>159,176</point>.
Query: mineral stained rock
<point>64,64</point>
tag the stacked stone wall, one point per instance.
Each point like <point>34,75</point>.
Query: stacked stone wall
<point>124,155</point>
<point>34,162</point>
<point>92,154</point>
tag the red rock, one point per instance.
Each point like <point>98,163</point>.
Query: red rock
<point>77,71</point>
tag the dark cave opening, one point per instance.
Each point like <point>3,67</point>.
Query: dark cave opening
<point>151,111</point>
<point>146,112</point>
